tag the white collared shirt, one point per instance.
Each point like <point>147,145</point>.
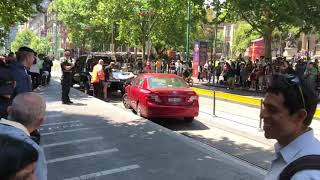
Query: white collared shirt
<point>305,144</point>
<point>15,124</point>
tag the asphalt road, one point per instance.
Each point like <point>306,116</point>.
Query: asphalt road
<point>93,139</point>
<point>234,130</point>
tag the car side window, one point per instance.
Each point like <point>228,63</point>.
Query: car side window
<point>140,82</point>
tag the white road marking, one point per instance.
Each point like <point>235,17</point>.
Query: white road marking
<point>54,115</point>
<point>72,142</point>
<point>51,124</point>
<point>60,109</point>
<point>65,131</point>
<point>104,173</point>
<point>82,155</point>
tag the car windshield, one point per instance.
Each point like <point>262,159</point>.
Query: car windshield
<point>166,82</point>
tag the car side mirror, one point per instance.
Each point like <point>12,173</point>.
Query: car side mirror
<point>128,83</point>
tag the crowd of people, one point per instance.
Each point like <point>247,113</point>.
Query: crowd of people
<point>22,113</point>
<point>240,73</point>
<point>256,76</point>
<point>23,71</point>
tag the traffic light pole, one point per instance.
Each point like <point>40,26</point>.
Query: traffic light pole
<point>56,32</point>
<point>188,33</point>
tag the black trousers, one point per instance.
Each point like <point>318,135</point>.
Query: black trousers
<point>36,80</point>
<point>66,83</point>
<point>49,77</point>
<point>98,90</point>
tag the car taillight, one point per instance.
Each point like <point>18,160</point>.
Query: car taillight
<point>192,98</point>
<point>155,98</point>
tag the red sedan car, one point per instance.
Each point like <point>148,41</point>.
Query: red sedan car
<point>161,96</point>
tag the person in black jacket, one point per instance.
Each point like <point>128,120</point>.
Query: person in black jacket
<point>7,84</point>
<point>47,65</point>
<point>67,66</point>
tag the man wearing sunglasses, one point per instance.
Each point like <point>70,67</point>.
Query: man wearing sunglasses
<point>288,109</point>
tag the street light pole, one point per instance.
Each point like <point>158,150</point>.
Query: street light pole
<point>56,31</point>
<point>188,33</point>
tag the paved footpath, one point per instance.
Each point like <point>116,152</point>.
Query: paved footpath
<point>93,139</point>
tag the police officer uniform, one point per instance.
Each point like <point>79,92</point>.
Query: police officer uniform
<point>66,80</point>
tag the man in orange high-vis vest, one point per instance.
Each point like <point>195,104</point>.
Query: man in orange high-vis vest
<point>97,79</point>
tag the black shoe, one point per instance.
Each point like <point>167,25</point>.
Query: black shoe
<point>67,103</point>
<point>70,102</point>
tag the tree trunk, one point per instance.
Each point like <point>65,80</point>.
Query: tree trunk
<point>143,46</point>
<point>267,45</point>
<point>143,39</point>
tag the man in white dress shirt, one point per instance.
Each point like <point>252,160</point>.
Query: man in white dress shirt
<point>288,109</point>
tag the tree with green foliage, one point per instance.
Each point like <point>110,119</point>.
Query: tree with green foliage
<point>166,29</point>
<point>40,44</point>
<point>77,16</point>
<point>30,39</point>
<point>16,11</point>
<point>265,16</point>
<point>23,38</point>
<point>242,38</point>
<point>100,22</point>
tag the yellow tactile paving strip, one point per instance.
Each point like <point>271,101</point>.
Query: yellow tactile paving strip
<point>237,98</point>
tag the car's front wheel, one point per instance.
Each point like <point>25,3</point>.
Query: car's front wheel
<point>125,101</point>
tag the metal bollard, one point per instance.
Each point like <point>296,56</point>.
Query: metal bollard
<point>214,103</point>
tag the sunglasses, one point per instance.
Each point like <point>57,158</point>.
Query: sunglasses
<point>292,80</point>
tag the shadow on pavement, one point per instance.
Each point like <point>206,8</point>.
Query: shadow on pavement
<point>254,155</point>
<point>138,142</point>
<point>180,125</point>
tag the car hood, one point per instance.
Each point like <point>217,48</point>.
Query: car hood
<point>122,75</point>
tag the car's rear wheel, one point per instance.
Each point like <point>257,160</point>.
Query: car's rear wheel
<point>125,101</point>
<point>189,119</point>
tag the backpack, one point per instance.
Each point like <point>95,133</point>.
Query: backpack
<point>309,162</point>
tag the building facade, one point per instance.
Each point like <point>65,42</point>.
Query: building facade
<point>306,42</point>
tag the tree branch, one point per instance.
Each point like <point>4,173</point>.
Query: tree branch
<point>252,24</point>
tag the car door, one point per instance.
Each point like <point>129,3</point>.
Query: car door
<point>129,90</point>
<point>136,91</point>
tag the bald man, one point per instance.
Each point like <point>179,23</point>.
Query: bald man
<point>97,79</point>
<point>25,116</point>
